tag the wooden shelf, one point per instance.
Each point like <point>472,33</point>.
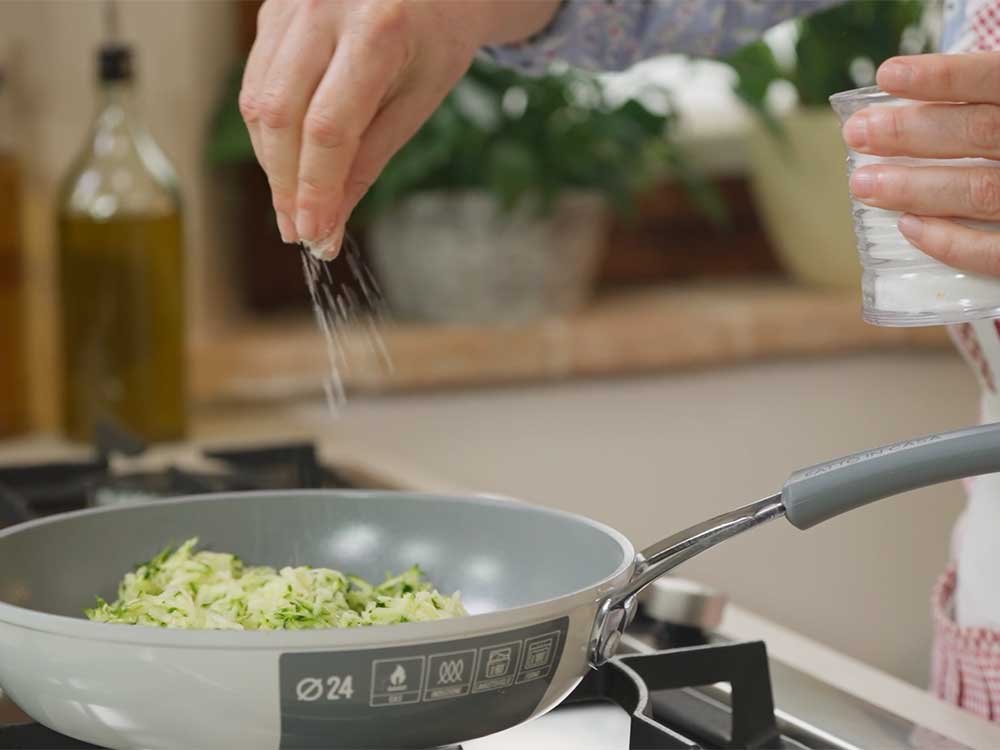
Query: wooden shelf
<point>625,333</point>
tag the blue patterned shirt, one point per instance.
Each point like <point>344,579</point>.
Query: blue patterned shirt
<point>615,34</point>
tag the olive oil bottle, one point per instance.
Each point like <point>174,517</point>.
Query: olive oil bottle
<point>122,274</point>
<point>12,352</point>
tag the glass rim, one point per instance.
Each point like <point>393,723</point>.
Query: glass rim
<point>866,93</point>
<point>847,103</point>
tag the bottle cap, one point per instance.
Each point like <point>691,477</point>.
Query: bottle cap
<point>115,59</point>
<point>115,63</point>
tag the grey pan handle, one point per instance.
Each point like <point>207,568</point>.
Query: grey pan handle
<point>813,495</point>
<point>819,493</point>
<point>810,496</point>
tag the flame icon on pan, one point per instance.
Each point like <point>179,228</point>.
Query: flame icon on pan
<point>397,680</point>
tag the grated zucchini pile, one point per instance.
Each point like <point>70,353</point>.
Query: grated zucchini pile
<point>187,588</point>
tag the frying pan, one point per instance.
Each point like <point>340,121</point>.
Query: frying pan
<point>550,594</point>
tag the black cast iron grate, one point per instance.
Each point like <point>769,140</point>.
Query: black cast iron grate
<point>43,489</point>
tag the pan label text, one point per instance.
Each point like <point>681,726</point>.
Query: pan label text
<point>333,688</point>
<point>429,694</point>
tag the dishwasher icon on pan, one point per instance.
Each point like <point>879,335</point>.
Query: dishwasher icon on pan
<point>497,665</point>
<point>499,661</point>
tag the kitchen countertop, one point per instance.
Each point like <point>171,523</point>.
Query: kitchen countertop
<point>637,331</point>
<point>863,681</point>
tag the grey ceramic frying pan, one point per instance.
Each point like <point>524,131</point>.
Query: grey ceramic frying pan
<point>550,594</point>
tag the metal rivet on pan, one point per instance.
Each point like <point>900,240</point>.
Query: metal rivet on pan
<point>611,622</point>
<point>611,645</point>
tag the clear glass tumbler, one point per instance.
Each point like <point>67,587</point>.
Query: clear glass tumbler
<point>901,285</point>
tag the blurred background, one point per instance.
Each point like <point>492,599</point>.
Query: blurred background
<point>631,296</point>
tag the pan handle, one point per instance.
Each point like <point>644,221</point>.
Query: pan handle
<point>826,490</point>
<point>811,496</point>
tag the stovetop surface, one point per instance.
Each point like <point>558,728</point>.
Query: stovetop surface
<point>112,475</point>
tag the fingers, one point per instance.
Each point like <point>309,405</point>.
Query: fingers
<point>954,244</point>
<point>320,74</point>
<point>394,125</point>
<point>354,86</point>
<point>272,21</point>
<point>972,192</point>
<point>936,131</point>
<point>932,131</point>
<point>291,80</point>
<point>973,78</point>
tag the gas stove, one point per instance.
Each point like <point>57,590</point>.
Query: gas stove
<point>675,683</point>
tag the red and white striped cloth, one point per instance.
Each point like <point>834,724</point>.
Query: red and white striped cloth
<point>965,664</point>
<point>965,667</point>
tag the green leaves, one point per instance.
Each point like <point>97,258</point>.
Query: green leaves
<point>832,46</point>
<point>229,141</point>
<point>521,139</point>
<point>756,69</point>
<point>832,41</point>
<point>533,138</point>
<point>530,139</point>
<point>510,171</point>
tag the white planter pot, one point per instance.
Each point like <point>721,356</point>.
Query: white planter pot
<point>801,191</point>
<point>454,257</point>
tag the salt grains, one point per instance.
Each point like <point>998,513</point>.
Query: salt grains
<point>350,318</point>
<point>901,284</point>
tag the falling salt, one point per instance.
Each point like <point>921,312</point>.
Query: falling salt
<point>340,312</point>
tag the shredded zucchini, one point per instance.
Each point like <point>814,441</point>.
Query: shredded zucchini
<point>188,588</point>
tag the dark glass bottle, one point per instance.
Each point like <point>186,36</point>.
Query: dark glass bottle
<point>122,274</point>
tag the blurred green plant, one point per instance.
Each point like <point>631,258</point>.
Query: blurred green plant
<point>521,139</point>
<point>837,49</point>
<point>534,138</point>
<point>228,139</point>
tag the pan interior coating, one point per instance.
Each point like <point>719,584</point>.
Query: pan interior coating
<point>499,554</point>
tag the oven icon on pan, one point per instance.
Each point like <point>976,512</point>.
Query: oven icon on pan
<point>539,653</point>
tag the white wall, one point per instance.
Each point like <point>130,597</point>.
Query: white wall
<point>652,456</point>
